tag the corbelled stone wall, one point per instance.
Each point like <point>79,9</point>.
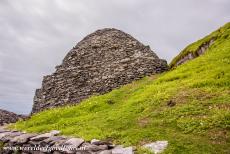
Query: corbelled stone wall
<point>102,61</point>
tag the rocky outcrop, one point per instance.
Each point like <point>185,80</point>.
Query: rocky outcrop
<point>50,143</point>
<point>102,61</point>
<point>156,147</point>
<point>9,117</point>
<point>201,50</point>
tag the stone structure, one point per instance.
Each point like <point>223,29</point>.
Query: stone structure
<point>102,61</point>
<point>49,143</point>
<point>9,117</point>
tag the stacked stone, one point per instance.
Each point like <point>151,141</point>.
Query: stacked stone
<point>14,141</point>
<point>102,61</point>
<point>9,117</point>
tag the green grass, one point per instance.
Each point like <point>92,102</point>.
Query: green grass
<point>138,113</point>
<point>221,33</point>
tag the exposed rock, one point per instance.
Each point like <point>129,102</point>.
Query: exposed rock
<point>55,132</point>
<point>53,140</point>
<point>157,147</point>
<point>95,148</point>
<point>22,138</point>
<point>75,142</point>
<point>7,117</point>
<point>98,142</point>
<point>102,61</point>
<point>26,143</point>
<point>7,136</point>
<point>200,51</point>
<point>45,136</point>
<point>106,152</point>
<point>121,150</point>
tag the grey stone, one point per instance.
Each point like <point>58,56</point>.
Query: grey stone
<point>94,141</point>
<point>55,132</point>
<point>75,142</point>
<point>99,142</point>
<point>106,152</point>
<point>41,137</point>
<point>53,140</point>
<point>157,147</point>
<point>121,150</point>
<point>7,117</point>
<point>7,136</point>
<point>95,148</point>
<point>101,62</point>
<point>22,138</point>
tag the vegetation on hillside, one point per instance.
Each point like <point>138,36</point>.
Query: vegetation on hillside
<point>219,34</point>
<point>188,106</point>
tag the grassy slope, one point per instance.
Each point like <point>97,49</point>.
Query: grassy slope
<point>192,48</point>
<point>138,113</point>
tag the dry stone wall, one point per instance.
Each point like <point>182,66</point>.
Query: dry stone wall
<point>12,142</point>
<point>102,61</point>
<point>52,143</point>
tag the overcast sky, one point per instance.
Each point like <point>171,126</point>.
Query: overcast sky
<point>35,35</point>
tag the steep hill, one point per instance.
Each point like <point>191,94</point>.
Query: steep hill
<point>188,106</point>
<point>200,47</point>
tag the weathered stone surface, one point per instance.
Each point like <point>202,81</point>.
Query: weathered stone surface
<point>53,140</point>
<point>74,142</point>
<point>106,152</point>
<point>98,142</point>
<point>200,51</point>
<point>7,117</point>
<point>7,136</point>
<point>55,132</point>
<point>157,147</point>
<point>42,137</point>
<point>121,150</point>
<point>92,147</point>
<point>67,145</point>
<point>102,61</point>
<point>22,138</point>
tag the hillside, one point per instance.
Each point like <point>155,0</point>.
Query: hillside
<point>199,47</point>
<point>188,106</point>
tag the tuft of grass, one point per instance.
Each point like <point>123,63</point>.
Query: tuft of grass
<point>138,113</point>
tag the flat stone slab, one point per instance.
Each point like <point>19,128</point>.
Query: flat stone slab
<point>41,137</point>
<point>157,147</point>
<point>45,136</point>
<point>22,138</point>
<point>74,142</point>
<point>99,142</point>
<point>106,152</point>
<point>121,150</point>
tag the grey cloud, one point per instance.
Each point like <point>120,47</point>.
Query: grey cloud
<point>37,34</point>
